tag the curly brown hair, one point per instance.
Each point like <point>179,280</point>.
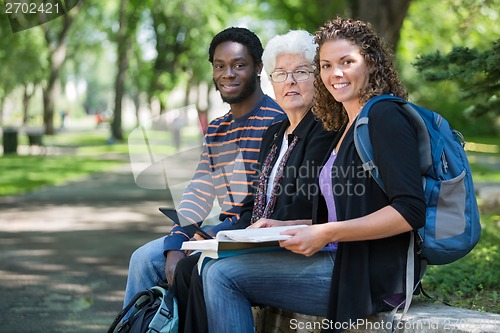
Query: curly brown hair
<point>383,79</point>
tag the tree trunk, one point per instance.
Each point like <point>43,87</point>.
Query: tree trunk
<point>123,54</point>
<point>56,43</point>
<point>136,98</point>
<point>26,102</point>
<point>57,58</point>
<point>386,16</point>
<point>116,124</point>
<point>48,103</point>
<point>29,90</point>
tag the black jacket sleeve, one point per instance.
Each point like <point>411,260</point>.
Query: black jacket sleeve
<point>395,149</point>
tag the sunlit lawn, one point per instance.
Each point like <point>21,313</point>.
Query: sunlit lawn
<point>21,174</point>
<point>484,174</point>
<point>89,152</point>
<point>486,150</point>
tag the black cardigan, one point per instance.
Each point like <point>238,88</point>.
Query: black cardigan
<point>367,272</point>
<point>300,179</point>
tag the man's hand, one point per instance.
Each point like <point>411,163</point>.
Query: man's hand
<point>173,258</point>
<point>171,261</point>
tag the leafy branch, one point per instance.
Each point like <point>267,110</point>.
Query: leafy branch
<point>477,74</point>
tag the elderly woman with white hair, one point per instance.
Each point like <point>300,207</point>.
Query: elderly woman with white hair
<point>291,157</point>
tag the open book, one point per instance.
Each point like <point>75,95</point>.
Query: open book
<point>234,242</point>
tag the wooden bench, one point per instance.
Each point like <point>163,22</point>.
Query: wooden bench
<point>423,317</point>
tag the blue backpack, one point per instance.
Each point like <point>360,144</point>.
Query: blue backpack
<point>153,310</point>
<point>452,226</point>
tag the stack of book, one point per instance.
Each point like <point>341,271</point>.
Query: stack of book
<point>236,242</point>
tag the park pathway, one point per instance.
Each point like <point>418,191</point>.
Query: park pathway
<point>64,251</point>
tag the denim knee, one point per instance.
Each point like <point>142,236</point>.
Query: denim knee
<point>148,261</point>
<point>139,257</point>
<point>216,275</point>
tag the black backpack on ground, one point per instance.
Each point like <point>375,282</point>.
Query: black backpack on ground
<point>151,311</point>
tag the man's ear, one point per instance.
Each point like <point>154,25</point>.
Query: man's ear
<point>258,68</point>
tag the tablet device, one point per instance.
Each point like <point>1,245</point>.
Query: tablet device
<point>191,228</point>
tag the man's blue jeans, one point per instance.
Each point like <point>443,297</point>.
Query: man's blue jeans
<point>279,279</point>
<point>146,268</point>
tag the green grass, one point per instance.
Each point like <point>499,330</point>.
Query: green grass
<point>88,152</point>
<point>482,173</point>
<point>22,174</point>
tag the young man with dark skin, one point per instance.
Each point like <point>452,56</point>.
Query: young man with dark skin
<point>225,172</point>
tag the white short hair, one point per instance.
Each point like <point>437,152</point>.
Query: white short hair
<point>294,42</point>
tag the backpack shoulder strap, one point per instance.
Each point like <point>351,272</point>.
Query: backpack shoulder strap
<point>364,146</point>
<point>362,137</point>
<point>424,139</point>
<point>167,310</point>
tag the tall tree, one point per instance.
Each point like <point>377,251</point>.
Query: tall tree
<point>123,40</point>
<point>386,16</point>
<point>129,13</point>
<point>56,33</point>
<point>22,57</point>
<point>170,31</point>
<point>138,77</point>
<point>301,15</point>
<point>194,63</point>
<point>182,42</point>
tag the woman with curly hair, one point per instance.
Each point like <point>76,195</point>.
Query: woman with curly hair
<point>370,228</point>
<point>383,77</point>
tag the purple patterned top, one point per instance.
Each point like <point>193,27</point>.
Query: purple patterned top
<point>326,187</point>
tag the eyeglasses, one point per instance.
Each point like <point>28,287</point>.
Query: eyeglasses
<point>298,75</point>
